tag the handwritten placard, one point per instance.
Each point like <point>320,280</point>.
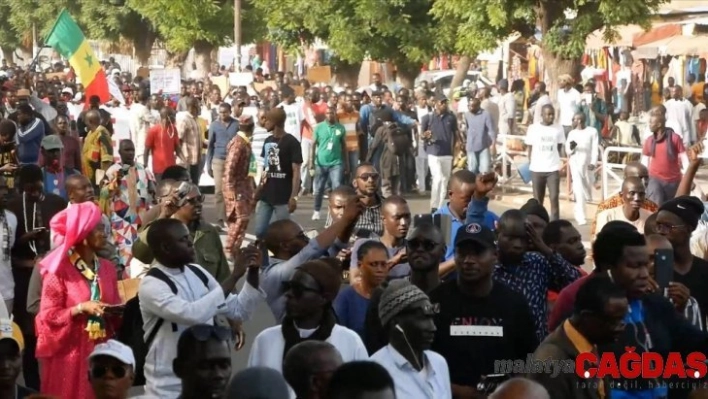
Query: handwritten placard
<point>319,74</point>
<point>167,81</point>
<point>237,79</point>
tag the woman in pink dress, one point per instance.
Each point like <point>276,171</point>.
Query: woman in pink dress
<point>74,313</point>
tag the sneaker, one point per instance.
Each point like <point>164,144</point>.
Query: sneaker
<point>315,215</point>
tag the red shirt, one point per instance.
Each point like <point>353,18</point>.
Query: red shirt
<point>565,303</point>
<point>319,108</point>
<point>553,296</point>
<point>660,165</point>
<point>163,144</point>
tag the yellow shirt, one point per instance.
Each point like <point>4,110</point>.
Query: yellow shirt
<point>97,149</point>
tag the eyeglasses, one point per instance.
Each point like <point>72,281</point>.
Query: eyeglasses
<point>426,245</point>
<point>202,332</point>
<point>101,371</point>
<point>667,228</point>
<point>298,289</point>
<point>367,176</point>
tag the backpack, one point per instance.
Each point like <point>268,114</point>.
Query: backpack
<point>399,141</point>
<point>131,331</point>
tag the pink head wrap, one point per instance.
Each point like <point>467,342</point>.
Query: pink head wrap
<point>70,227</point>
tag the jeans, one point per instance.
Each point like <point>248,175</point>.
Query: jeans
<point>551,179</point>
<point>305,178</point>
<point>323,174</point>
<point>353,159</point>
<point>479,161</point>
<point>660,191</point>
<point>217,166</point>
<point>440,170</point>
<point>265,212</point>
<point>376,156</point>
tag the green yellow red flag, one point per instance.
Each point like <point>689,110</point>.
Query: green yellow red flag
<point>67,38</point>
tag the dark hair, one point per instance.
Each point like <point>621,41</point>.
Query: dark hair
<point>158,232</point>
<point>7,127</point>
<point>225,106</point>
<point>608,248</point>
<point>510,216</point>
<point>300,363</point>
<point>365,164</point>
<point>462,176</point>
<point>393,199</point>
<point>176,172</point>
<point>552,232</point>
<point>94,100</point>
<point>30,173</point>
<point>25,109</point>
<point>273,235</point>
<point>367,246</point>
<point>344,191</point>
<point>353,379</point>
<point>594,294</point>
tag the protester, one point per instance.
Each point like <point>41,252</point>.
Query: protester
<point>8,237</point>
<point>308,367</point>
<point>79,294</point>
<point>54,171</point>
<point>166,312</point>
<point>30,132</point>
<point>598,318</point>
<point>328,157</point>
<point>257,383</point>
<point>520,388</point>
<point>407,316</point>
<point>221,132</point>
<point>470,347</point>
<point>581,145</point>
<point>203,361</point>
<point>366,183</point>
<point>97,150</point>
<point>12,344</point>
<point>308,316</point>
<point>190,136</point>
<point>362,379</point>
<point>111,370</point>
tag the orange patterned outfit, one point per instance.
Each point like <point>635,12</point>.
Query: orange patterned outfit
<point>614,202</point>
<point>239,188</point>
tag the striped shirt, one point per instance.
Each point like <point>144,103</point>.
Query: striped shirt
<point>349,121</point>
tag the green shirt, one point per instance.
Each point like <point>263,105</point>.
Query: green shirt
<point>330,140</point>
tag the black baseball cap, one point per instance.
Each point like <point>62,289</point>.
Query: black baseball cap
<point>478,233</point>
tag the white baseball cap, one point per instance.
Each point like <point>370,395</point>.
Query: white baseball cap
<point>115,350</point>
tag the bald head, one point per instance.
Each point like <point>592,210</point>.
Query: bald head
<point>635,169</point>
<point>631,183</point>
<point>520,388</point>
<point>78,189</point>
<point>93,118</point>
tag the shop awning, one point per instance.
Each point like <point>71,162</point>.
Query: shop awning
<point>596,41</point>
<point>676,45</point>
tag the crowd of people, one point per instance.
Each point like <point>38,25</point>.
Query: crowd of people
<point>114,285</point>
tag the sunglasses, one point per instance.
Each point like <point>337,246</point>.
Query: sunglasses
<point>426,245</point>
<point>101,371</point>
<point>367,176</point>
<point>202,332</point>
<point>298,289</point>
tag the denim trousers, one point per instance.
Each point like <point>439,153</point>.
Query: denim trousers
<point>479,161</point>
<point>353,160</point>
<point>324,174</point>
<point>265,212</point>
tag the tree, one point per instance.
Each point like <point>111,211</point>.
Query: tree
<point>9,38</point>
<point>399,31</point>
<point>201,24</point>
<point>482,24</point>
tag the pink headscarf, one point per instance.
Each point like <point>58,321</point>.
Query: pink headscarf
<point>70,227</point>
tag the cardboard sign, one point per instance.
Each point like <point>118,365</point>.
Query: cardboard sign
<point>222,82</point>
<point>60,75</point>
<point>268,84</point>
<point>237,79</point>
<point>319,74</point>
<point>168,81</point>
<point>299,90</point>
<point>143,72</point>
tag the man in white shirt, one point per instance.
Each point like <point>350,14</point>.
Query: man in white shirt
<point>199,298</point>
<point>407,314</point>
<point>8,227</point>
<point>678,116</point>
<point>544,141</point>
<point>633,195</point>
<point>582,149</point>
<point>568,102</point>
<point>294,116</point>
<point>507,108</point>
<point>140,121</point>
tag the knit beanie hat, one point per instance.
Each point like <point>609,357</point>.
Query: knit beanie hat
<point>399,295</point>
<point>687,208</point>
<point>327,276</point>
<point>533,207</point>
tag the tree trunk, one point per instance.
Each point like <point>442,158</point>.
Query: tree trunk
<point>555,67</point>
<point>463,66</point>
<point>143,43</point>
<point>8,54</point>
<point>407,73</point>
<point>345,73</point>
<point>202,57</point>
<point>174,60</point>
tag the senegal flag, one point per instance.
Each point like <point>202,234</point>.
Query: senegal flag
<point>66,38</point>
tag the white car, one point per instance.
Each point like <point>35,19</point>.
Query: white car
<point>443,79</point>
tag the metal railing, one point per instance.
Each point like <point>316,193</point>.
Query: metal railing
<point>607,168</point>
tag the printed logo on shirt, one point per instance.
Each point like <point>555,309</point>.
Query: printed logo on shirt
<point>273,161</point>
<point>477,327</point>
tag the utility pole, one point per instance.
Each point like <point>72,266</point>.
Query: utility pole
<point>237,35</point>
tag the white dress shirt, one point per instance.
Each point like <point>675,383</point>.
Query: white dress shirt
<point>433,383</point>
<point>193,304</point>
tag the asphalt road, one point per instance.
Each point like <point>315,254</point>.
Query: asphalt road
<point>263,318</point>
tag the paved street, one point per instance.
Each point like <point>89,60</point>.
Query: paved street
<point>263,318</point>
